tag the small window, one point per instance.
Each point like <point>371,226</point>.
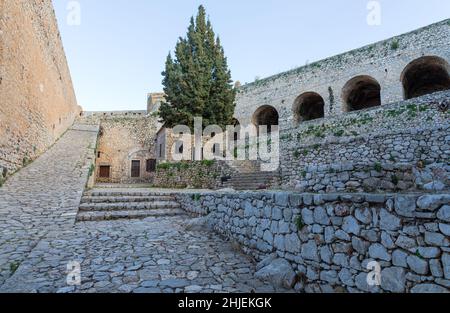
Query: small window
<point>160,150</point>
<point>105,171</point>
<point>135,168</point>
<point>181,149</point>
<point>151,165</point>
<point>99,154</point>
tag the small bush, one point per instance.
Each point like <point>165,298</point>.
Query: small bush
<point>339,133</point>
<point>13,267</point>
<point>377,167</point>
<point>299,223</point>
<point>196,197</point>
<point>394,45</point>
<point>296,154</point>
<point>394,179</point>
<point>91,170</point>
<point>208,163</point>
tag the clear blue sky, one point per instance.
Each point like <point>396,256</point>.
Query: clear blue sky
<point>117,54</point>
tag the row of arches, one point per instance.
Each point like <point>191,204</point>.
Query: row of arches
<point>420,77</point>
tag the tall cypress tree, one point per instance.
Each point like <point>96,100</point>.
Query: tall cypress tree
<point>197,82</point>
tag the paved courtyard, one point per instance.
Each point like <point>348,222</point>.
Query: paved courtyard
<point>39,238</point>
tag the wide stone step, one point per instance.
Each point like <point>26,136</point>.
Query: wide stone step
<point>127,215</point>
<point>123,199</point>
<point>250,180</point>
<point>129,206</point>
<point>111,193</point>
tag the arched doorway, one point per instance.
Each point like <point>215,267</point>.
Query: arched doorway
<point>424,76</point>
<point>360,93</point>
<point>308,106</point>
<point>266,116</point>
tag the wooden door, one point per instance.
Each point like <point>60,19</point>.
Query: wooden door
<point>135,168</point>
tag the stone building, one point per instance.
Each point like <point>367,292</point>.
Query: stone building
<point>125,147</point>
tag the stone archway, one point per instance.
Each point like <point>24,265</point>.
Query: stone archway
<point>308,106</point>
<point>361,92</point>
<point>425,75</point>
<point>266,116</point>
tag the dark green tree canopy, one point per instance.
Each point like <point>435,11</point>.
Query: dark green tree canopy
<point>197,81</point>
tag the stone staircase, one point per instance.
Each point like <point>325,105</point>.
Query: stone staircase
<point>252,181</point>
<point>110,204</point>
<point>247,175</point>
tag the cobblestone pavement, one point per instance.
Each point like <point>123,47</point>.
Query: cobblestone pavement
<point>39,238</point>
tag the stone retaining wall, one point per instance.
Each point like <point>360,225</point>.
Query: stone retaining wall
<point>192,174</point>
<point>331,238</point>
<point>387,149</point>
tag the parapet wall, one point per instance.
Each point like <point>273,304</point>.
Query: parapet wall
<point>384,62</point>
<point>330,239</point>
<point>37,98</point>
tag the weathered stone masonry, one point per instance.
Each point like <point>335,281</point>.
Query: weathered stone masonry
<point>125,138</point>
<point>402,146</point>
<point>37,99</point>
<point>384,66</point>
<point>330,239</point>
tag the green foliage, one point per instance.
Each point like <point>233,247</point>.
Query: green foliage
<point>26,160</point>
<point>339,133</point>
<point>196,197</point>
<point>208,163</point>
<point>299,223</point>
<point>394,44</point>
<point>2,180</point>
<point>91,170</point>
<point>13,267</point>
<point>394,179</point>
<point>197,81</point>
<point>296,154</point>
<point>377,167</point>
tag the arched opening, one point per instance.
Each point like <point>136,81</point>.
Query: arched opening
<point>360,93</point>
<point>266,116</point>
<point>308,106</point>
<point>424,76</point>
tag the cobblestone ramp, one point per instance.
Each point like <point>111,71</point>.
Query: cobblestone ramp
<point>44,196</point>
<point>39,237</point>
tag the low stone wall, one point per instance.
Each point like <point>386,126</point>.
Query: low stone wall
<point>349,153</point>
<point>330,239</point>
<point>192,174</point>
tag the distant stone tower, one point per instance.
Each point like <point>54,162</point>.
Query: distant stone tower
<point>154,101</point>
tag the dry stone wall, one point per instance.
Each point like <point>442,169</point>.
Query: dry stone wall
<point>38,103</point>
<point>400,147</point>
<point>192,174</point>
<point>330,239</point>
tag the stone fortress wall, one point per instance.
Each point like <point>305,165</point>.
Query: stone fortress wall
<point>383,63</point>
<point>38,102</point>
<point>372,119</point>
